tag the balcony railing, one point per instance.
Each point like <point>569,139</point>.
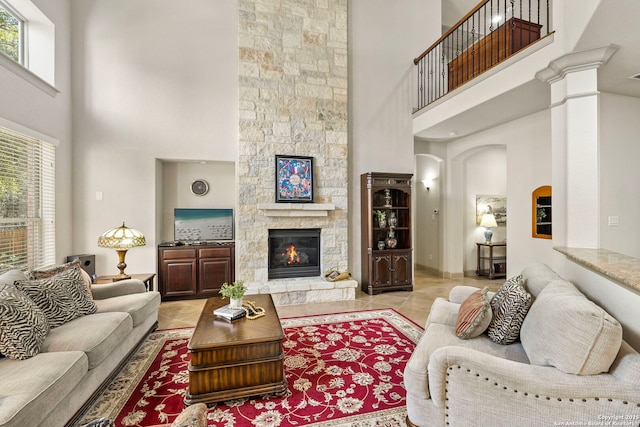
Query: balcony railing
<point>492,32</point>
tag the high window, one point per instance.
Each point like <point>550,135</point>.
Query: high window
<point>27,202</point>
<point>11,33</point>
<point>27,43</point>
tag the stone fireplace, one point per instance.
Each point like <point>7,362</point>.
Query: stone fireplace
<point>293,101</point>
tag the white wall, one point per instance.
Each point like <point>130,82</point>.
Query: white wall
<point>144,91</point>
<point>27,106</point>
<point>176,189</point>
<point>479,164</point>
<point>426,203</point>
<point>485,174</point>
<point>619,173</point>
<point>383,38</point>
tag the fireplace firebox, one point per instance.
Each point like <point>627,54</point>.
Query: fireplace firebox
<point>294,253</point>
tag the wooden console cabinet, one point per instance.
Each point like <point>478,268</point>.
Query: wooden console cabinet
<point>386,268</point>
<point>493,48</point>
<point>195,271</point>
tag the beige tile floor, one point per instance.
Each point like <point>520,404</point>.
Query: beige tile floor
<point>414,305</point>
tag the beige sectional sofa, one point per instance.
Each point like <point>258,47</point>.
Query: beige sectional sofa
<point>569,367</point>
<point>75,358</point>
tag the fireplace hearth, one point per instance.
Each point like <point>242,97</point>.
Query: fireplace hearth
<point>294,253</point>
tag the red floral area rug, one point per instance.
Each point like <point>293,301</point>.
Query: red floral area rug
<point>342,370</point>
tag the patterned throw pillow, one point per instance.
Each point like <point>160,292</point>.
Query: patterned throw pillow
<point>44,273</point>
<point>474,315</point>
<point>24,325</point>
<point>62,297</point>
<point>510,306</point>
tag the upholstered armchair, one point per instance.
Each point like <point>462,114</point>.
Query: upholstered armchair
<point>569,365</point>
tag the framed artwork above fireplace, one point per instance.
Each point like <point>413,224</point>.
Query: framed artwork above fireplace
<point>294,179</point>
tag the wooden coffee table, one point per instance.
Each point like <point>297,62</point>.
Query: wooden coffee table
<point>230,360</point>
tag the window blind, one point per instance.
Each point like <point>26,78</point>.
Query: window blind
<point>27,202</point>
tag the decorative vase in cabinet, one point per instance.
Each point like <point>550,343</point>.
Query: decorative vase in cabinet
<point>391,241</point>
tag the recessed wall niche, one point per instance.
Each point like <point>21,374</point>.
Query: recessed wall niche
<point>174,189</point>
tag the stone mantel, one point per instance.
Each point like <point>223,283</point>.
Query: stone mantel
<point>296,209</point>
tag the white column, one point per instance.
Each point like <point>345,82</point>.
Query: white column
<point>575,140</point>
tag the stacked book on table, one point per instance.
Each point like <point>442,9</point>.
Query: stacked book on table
<point>228,313</point>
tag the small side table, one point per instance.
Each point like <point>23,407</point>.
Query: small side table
<point>497,265</point>
<point>146,278</point>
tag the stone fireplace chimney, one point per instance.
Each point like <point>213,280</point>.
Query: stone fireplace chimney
<point>293,101</point>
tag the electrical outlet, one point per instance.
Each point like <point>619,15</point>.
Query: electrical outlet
<point>612,221</point>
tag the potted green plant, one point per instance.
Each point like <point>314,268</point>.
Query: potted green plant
<point>381,216</point>
<point>235,292</point>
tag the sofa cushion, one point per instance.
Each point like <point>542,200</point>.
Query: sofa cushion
<point>537,276</point>
<point>62,297</point>
<point>23,326</point>
<point>438,335</point>
<point>474,315</point>
<point>443,312</point>
<point>9,277</point>
<point>510,306</point>
<point>139,306</point>
<point>566,330</point>
<point>31,388</point>
<point>108,330</point>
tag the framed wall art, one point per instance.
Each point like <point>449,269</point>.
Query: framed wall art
<point>294,179</point>
<point>488,203</point>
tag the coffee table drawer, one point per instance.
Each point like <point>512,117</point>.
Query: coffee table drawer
<point>222,356</point>
<point>232,380</point>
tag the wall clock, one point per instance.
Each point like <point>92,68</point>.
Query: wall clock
<point>199,187</point>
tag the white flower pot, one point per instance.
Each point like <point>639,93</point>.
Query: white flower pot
<point>235,302</point>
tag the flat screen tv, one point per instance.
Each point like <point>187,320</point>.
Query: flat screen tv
<point>203,224</point>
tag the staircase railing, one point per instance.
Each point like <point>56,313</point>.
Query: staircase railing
<point>490,33</point>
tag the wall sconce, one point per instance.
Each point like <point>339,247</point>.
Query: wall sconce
<point>428,182</point>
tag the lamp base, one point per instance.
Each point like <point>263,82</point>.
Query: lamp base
<point>488,234</point>
<point>121,266</point>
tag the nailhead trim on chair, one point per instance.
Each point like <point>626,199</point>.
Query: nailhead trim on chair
<point>537,396</point>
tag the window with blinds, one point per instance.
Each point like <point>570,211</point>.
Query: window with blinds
<point>27,202</point>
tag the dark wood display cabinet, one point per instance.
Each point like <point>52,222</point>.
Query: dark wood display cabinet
<point>387,263</point>
<point>195,271</point>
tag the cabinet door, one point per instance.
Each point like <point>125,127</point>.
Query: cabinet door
<point>381,270</point>
<point>402,269</point>
<point>213,273</point>
<point>179,277</point>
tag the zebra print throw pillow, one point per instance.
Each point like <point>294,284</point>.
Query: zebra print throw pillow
<point>24,325</point>
<point>510,306</point>
<point>62,297</point>
<point>43,273</point>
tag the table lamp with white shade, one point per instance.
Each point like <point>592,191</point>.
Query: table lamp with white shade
<point>488,221</point>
